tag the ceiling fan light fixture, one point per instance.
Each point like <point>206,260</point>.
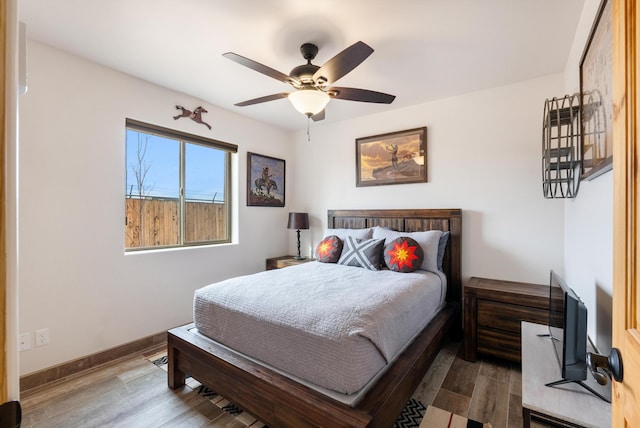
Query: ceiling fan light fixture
<point>309,101</point>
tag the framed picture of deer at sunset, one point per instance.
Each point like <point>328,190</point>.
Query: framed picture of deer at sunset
<point>393,158</point>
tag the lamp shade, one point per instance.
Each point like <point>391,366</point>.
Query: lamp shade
<point>298,221</point>
<point>309,101</point>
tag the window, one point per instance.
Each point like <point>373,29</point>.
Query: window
<point>177,188</point>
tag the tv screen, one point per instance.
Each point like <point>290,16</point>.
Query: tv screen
<point>568,329</point>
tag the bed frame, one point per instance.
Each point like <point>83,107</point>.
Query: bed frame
<point>281,402</point>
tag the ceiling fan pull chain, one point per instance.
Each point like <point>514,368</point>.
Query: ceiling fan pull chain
<point>308,135</point>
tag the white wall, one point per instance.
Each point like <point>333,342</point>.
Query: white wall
<point>588,219</point>
<point>483,152</point>
<point>75,278</point>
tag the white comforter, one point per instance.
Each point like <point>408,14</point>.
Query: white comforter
<point>334,326</point>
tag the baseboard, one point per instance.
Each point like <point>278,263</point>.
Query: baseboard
<point>73,367</point>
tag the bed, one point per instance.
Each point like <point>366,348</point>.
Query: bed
<point>280,401</point>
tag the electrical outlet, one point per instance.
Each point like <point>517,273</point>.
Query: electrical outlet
<point>42,337</point>
<point>24,342</point>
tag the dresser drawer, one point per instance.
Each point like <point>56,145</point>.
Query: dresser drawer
<point>507,317</point>
<point>499,343</point>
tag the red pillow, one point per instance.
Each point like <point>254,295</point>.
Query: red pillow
<point>403,254</point>
<point>329,249</point>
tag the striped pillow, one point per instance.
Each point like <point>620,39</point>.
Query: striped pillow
<point>364,253</point>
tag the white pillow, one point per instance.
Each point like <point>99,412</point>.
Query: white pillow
<point>355,233</point>
<point>428,240</point>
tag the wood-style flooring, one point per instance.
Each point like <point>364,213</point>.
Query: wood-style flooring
<point>132,392</point>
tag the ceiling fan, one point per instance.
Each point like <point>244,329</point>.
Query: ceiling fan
<point>312,82</point>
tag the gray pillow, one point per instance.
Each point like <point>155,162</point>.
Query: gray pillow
<point>428,240</point>
<point>403,255</point>
<point>442,246</point>
<point>356,233</point>
<point>329,249</point>
<point>364,253</point>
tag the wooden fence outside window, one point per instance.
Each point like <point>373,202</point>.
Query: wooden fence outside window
<point>155,222</point>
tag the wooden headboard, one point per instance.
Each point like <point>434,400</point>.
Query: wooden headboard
<point>411,220</point>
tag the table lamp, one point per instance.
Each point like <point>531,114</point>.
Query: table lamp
<point>298,221</point>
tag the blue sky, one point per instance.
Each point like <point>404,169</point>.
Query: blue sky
<point>204,177</point>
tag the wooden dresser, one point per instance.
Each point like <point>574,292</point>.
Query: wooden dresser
<point>493,311</point>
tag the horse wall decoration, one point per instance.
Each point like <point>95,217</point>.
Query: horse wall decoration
<point>195,115</point>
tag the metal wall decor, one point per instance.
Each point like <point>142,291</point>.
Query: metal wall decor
<point>561,151</point>
<point>195,115</point>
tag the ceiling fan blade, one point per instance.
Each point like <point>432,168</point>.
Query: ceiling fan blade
<point>342,63</point>
<point>362,95</point>
<point>263,99</point>
<point>260,68</point>
<point>318,116</point>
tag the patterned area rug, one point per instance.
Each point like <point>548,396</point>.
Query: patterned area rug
<point>438,418</point>
<point>415,414</point>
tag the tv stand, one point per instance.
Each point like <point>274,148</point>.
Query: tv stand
<point>566,404</point>
<point>582,384</point>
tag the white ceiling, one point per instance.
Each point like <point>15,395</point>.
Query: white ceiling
<point>424,49</point>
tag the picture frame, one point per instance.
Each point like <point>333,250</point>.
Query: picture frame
<point>266,177</point>
<point>596,89</point>
<point>393,158</point>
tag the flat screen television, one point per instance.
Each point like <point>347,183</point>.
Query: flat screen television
<point>568,329</point>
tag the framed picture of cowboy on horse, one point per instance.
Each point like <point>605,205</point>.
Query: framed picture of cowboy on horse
<point>265,181</point>
<point>393,158</point>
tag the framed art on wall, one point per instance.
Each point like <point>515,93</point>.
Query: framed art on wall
<point>265,181</point>
<point>596,86</point>
<point>393,158</point>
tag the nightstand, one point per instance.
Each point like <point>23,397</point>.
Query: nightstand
<point>493,311</point>
<point>285,261</point>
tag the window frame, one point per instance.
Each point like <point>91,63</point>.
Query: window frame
<point>185,138</point>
